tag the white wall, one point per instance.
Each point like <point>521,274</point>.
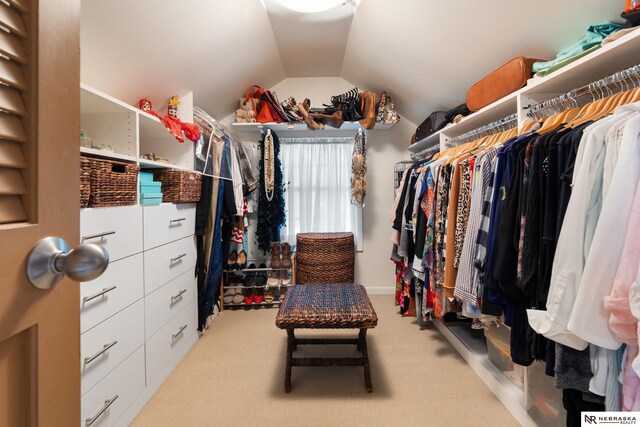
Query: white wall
<point>385,147</point>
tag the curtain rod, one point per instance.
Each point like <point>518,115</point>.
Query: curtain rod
<point>595,87</point>
<point>310,140</point>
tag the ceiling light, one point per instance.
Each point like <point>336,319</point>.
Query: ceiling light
<point>311,6</point>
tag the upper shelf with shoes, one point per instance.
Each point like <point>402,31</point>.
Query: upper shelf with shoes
<point>349,111</point>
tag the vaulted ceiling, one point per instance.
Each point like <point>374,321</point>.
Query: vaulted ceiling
<point>425,53</point>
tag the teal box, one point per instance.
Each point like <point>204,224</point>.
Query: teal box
<point>146,177</point>
<point>146,196</point>
<point>151,201</point>
<point>150,187</point>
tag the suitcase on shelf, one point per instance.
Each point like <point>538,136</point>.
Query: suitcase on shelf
<point>436,121</point>
<point>501,82</point>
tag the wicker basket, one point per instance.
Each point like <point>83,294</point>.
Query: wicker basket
<point>179,186</point>
<point>325,258</point>
<point>85,181</point>
<point>113,183</point>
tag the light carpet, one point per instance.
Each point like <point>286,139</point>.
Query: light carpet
<point>234,376</point>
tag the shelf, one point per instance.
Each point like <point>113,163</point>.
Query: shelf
<point>107,154</point>
<point>93,101</point>
<point>279,127</point>
<point>607,60</point>
<point>492,112</point>
<point>257,287</point>
<point>254,304</point>
<point>432,140</point>
<point>152,164</point>
<point>256,269</point>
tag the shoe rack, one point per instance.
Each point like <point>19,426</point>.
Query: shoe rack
<point>243,282</point>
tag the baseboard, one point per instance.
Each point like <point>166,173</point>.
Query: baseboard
<point>380,290</point>
<point>152,388</point>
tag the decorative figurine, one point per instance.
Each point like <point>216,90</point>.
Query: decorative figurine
<point>172,109</point>
<point>145,105</point>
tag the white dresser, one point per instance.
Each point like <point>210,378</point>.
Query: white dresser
<point>139,318</point>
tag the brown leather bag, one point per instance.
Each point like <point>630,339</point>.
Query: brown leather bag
<point>507,79</point>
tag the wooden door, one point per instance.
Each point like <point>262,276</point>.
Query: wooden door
<point>39,164</point>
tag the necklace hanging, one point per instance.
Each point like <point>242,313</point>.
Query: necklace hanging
<point>269,168</point>
<point>359,170</point>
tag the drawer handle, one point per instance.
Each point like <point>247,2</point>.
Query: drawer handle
<point>99,294</point>
<point>107,403</point>
<point>178,258</point>
<point>95,236</point>
<point>178,220</point>
<point>106,348</point>
<point>178,296</point>
<point>180,332</point>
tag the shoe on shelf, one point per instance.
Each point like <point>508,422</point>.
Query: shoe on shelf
<point>368,107</point>
<point>250,276</point>
<point>229,295</point>
<point>261,276</point>
<point>285,261</point>
<point>241,262</point>
<point>304,110</point>
<point>274,278</point>
<point>232,261</point>
<point>276,256</point>
<point>285,278</point>
<point>238,298</point>
<point>334,120</point>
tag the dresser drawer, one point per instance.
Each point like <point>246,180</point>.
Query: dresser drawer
<point>164,303</point>
<point>165,263</point>
<point>168,222</point>
<point>118,287</point>
<point>104,347</point>
<point>117,229</point>
<point>162,346</point>
<point>108,400</point>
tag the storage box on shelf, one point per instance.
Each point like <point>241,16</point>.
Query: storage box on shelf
<point>150,190</point>
<point>179,186</point>
<point>113,183</point>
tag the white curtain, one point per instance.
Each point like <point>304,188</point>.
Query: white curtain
<point>317,181</point>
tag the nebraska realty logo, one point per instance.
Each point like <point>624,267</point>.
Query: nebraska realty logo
<point>610,418</point>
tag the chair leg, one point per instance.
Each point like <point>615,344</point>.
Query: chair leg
<point>291,344</point>
<point>362,338</point>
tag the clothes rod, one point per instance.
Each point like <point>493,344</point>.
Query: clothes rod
<point>597,87</point>
<point>486,129</point>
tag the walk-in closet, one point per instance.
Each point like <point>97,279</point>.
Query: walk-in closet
<point>319,213</point>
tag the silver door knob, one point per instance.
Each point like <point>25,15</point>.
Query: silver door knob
<point>50,259</point>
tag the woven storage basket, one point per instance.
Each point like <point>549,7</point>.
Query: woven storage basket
<point>113,183</point>
<point>85,181</point>
<point>325,258</point>
<point>179,186</point>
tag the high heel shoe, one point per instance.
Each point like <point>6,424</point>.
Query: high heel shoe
<point>241,262</point>
<point>304,110</point>
<point>232,261</point>
<point>334,120</point>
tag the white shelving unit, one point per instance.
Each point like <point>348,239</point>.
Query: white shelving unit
<point>300,130</point>
<point>618,55</point>
<point>132,132</point>
<point>615,56</point>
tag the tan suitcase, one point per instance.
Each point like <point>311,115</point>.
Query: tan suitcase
<point>507,79</point>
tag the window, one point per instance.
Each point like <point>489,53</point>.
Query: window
<point>317,179</point>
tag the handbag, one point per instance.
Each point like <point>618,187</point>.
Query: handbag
<point>262,110</point>
<point>386,112</point>
<point>436,121</point>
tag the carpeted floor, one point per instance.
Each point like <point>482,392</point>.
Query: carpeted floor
<point>234,376</point>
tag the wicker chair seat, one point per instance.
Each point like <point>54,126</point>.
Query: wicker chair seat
<point>327,306</point>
